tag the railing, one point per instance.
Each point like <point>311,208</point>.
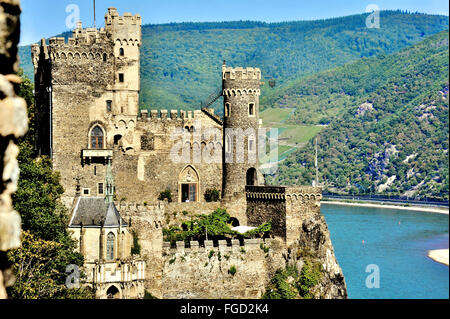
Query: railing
<point>390,199</point>
<point>212,98</point>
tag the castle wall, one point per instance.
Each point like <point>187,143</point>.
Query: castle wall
<point>204,272</point>
<point>148,221</point>
<point>286,207</point>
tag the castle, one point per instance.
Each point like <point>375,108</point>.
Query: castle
<point>115,160</point>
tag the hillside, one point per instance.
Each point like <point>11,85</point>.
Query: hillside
<point>180,62</point>
<point>388,127</point>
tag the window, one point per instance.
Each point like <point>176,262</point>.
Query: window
<point>97,138</point>
<point>108,106</point>
<point>228,144</point>
<point>251,145</point>
<point>122,52</point>
<point>86,191</point>
<point>188,193</point>
<point>227,109</point>
<point>110,243</point>
<point>101,190</point>
<point>251,109</point>
<point>95,170</point>
<point>121,78</point>
<point>105,57</point>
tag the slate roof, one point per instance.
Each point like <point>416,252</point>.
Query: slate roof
<point>91,211</point>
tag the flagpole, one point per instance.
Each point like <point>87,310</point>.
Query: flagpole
<point>95,22</point>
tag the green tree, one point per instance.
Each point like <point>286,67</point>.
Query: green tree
<point>47,247</point>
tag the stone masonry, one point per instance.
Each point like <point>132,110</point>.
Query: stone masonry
<point>13,124</point>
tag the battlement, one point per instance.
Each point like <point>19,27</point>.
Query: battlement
<point>284,193</point>
<point>239,73</point>
<point>140,207</point>
<point>240,92</point>
<point>113,17</point>
<point>124,28</point>
<point>208,245</point>
<point>173,115</point>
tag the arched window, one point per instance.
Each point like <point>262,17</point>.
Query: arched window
<point>227,109</point>
<point>251,109</point>
<point>122,52</point>
<point>105,57</point>
<point>228,144</point>
<point>110,242</point>
<point>97,138</point>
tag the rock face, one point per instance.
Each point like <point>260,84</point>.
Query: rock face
<point>315,241</point>
<point>13,124</point>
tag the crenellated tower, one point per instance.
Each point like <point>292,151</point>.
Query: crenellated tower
<point>241,91</point>
<point>84,86</point>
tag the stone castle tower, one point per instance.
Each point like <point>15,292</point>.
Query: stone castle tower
<point>80,84</point>
<point>241,91</point>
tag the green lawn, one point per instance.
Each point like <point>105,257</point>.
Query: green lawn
<point>277,115</point>
<point>296,134</point>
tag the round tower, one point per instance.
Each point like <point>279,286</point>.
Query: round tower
<point>241,90</point>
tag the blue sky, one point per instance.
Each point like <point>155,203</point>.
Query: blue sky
<point>45,18</point>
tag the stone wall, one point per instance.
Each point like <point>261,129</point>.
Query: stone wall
<point>205,272</point>
<point>147,221</point>
<point>13,124</point>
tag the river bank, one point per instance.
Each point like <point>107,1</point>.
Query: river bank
<point>440,256</point>
<point>437,210</point>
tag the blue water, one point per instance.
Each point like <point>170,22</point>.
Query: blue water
<point>397,241</point>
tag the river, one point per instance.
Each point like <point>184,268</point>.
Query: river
<point>397,242</point>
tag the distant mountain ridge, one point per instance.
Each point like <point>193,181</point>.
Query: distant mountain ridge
<point>180,62</point>
<point>389,124</point>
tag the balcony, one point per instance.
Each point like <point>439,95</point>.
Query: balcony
<point>96,155</point>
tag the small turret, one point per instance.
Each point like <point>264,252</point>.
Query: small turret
<point>241,90</point>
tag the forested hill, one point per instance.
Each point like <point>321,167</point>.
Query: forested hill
<point>389,124</point>
<point>181,63</point>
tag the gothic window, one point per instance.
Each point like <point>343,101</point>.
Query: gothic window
<point>251,109</point>
<point>110,242</point>
<point>97,138</point>
<point>122,52</point>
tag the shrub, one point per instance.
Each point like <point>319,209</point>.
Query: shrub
<point>212,195</point>
<point>232,270</point>
<point>148,295</point>
<point>136,249</point>
<point>167,194</point>
<point>309,277</point>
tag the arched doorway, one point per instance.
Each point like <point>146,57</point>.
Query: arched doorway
<point>251,177</point>
<point>188,185</point>
<point>113,293</point>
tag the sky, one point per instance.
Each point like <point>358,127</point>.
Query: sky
<point>46,18</point>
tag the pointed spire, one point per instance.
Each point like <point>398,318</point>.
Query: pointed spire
<point>109,184</point>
